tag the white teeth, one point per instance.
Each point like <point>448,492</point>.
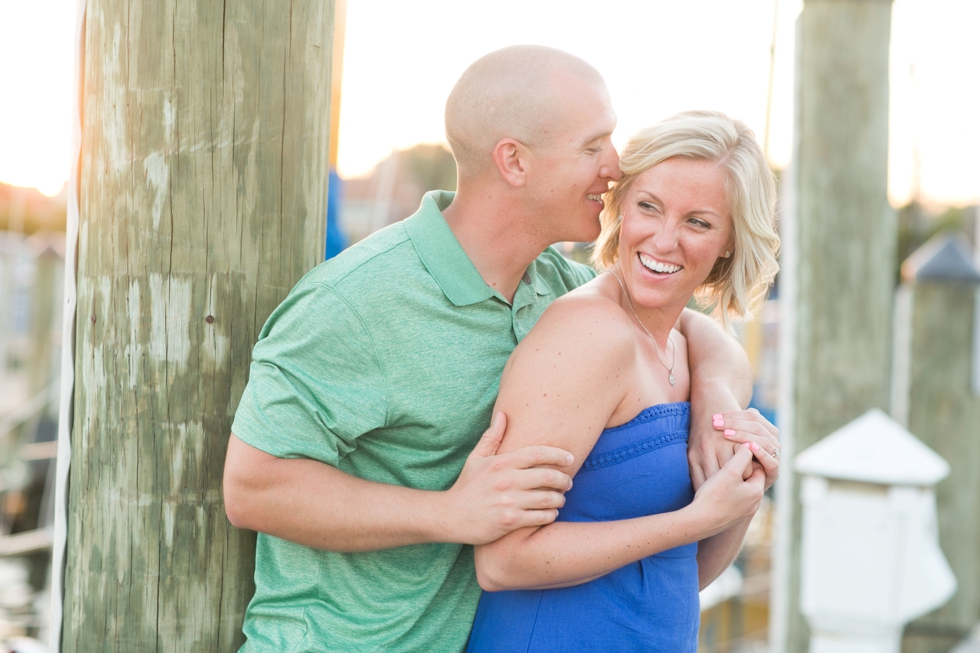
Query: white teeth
<point>595,198</point>
<point>657,266</point>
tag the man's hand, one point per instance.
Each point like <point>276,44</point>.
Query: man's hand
<point>497,494</point>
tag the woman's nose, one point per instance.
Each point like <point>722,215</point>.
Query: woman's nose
<point>665,238</point>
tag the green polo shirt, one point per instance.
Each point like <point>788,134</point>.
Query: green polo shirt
<point>383,362</point>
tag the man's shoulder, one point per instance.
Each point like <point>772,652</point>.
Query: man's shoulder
<point>384,249</point>
<point>336,292</point>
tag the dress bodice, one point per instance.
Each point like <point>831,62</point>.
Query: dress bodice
<point>636,469</point>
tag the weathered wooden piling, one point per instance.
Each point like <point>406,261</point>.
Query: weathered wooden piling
<point>944,412</point>
<point>203,185</point>
<point>840,238</point>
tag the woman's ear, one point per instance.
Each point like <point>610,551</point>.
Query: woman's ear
<point>509,155</point>
<point>730,247</point>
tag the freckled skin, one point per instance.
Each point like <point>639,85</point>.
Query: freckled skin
<point>675,213</point>
<point>598,382</point>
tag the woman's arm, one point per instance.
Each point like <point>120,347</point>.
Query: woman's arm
<point>721,380</point>
<point>717,552</point>
<point>569,553</point>
<point>570,378</point>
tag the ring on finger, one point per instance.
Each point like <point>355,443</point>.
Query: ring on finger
<point>775,453</point>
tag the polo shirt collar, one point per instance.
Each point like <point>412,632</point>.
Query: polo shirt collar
<point>540,285</point>
<point>441,253</point>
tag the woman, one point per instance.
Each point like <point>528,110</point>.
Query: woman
<point>604,375</point>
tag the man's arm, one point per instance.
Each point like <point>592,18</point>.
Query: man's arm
<point>717,552</point>
<point>721,381</point>
<point>314,504</point>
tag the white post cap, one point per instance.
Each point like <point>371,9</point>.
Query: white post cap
<point>874,448</point>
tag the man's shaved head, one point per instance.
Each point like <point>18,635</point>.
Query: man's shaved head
<point>510,93</point>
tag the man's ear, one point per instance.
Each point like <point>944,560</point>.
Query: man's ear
<point>510,157</point>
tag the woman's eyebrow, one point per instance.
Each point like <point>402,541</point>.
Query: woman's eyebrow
<point>652,196</point>
<point>640,191</point>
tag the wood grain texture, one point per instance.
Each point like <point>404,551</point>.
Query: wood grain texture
<point>847,234</point>
<point>944,413</point>
<point>203,190</point>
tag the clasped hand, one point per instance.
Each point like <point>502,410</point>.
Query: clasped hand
<point>496,494</point>
<point>732,429</point>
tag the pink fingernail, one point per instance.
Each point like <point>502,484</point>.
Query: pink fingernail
<point>717,416</point>
<point>570,458</point>
<point>746,445</point>
<point>718,423</point>
<point>754,447</point>
<point>729,432</point>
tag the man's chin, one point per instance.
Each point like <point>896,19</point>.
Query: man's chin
<point>586,233</point>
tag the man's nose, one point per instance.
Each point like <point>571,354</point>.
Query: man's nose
<point>610,168</point>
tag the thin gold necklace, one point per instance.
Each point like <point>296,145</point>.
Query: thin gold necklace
<point>673,348</point>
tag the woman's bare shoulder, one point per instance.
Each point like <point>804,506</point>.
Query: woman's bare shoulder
<point>598,299</point>
<point>568,375</point>
<point>587,316</point>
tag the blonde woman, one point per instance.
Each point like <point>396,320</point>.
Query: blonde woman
<point>605,376</point>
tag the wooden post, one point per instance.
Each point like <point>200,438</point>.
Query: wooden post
<point>840,239</point>
<point>203,185</point>
<point>944,413</point>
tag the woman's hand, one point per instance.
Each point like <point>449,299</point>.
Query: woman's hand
<point>732,494</point>
<point>750,427</point>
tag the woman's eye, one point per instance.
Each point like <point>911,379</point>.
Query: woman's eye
<point>701,224</point>
<point>647,206</point>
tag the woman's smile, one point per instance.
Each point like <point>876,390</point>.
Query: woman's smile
<point>658,267</point>
<point>676,225</point>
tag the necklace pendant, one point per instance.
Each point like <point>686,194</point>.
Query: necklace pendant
<point>670,378</point>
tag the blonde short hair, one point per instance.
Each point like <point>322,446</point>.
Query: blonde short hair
<point>736,286</point>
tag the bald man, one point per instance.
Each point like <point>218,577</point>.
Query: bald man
<point>357,452</point>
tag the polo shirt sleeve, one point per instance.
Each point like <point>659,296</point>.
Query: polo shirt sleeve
<point>315,383</point>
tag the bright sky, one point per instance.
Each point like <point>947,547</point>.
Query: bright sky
<point>37,50</point>
<point>658,57</point>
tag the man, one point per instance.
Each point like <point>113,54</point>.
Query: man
<point>370,384</point>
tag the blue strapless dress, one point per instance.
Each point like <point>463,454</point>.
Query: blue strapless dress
<point>636,469</point>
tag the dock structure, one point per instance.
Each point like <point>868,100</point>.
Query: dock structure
<point>942,407</point>
<point>839,249</point>
<point>202,188</point>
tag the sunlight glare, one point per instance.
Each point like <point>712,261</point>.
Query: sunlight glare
<point>37,43</point>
